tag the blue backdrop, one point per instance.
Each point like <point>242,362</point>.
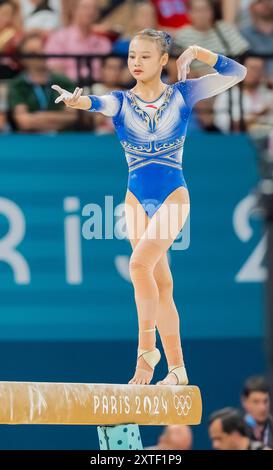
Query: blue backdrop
<point>66,300</point>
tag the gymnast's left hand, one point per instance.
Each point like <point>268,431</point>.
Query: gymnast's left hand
<point>183,63</point>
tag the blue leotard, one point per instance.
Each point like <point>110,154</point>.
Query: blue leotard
<point>154,145</point>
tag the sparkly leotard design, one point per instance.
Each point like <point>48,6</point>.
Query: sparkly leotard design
<point>153,134</point>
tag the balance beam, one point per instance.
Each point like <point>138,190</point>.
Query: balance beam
<point>98,404</point>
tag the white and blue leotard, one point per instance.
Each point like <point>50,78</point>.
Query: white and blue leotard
<point>152,134</point>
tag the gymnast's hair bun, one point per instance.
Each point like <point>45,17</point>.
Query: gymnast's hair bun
<point>168,38</point>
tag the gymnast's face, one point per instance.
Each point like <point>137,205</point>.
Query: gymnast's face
<point>145,60</point>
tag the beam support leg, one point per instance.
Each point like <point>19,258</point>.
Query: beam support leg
<point>121,437</point>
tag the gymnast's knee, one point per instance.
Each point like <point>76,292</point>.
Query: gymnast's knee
<point>165,288</point>
<point>139,269</point>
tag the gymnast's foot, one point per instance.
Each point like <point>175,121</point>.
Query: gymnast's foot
<point>177,376</point>
<point>146,363</point>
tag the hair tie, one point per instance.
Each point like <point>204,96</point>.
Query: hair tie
<point>168,38</point>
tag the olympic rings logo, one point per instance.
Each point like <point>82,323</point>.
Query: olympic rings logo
<point>182,404</point>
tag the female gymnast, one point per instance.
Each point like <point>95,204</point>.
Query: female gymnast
<point>151,122</point>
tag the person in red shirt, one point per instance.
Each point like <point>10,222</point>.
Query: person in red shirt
<point>171,14</point>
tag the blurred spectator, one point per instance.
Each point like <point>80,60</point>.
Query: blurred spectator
<point>204,111</point>
<point>144,17</point>
<point>228,431</point>
<point>260,33</point>
<point>112,70</point>
<point>41,15</point>
<point>105,6</point>
<point>257,101</point>
<point>236,11</point>
<point>9,37</point>
<point>111,74</point>
<point>174,437</point>
<point>2,121</point>
<point>79,39</point>
<point>68,8</point>
<point>172,14</point>
<point>171,70</point>
<point>256,403</point>
<point>31,99</point>
<point>107,25</point>
<point>206,31</point>
<point>3,108</point>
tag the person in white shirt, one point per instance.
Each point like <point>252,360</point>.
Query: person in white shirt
<point>44,15</point>
<point>257,101</point>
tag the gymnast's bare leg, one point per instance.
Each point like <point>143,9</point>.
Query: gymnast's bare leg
<point>152,280</point>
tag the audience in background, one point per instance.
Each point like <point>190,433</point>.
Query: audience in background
<point>111,76</point>
<point>174,437</point>
<point>256,101</point>
<point>79,39</point>
<point>205,30</point>
<point>260,33</point>
<point>3,109</point>
<point>31,99</point>
<point>41,15</point>
<point>172,14</point>
<point>236,12</point>
<point>228,431</point>
<point>255,399</point>
<point>10,36</point>
<point>204,113</point>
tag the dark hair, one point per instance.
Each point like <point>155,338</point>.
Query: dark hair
<point>214,5</point>
<point>163,39</point>
<point>143,2</point>
<point>43,5</point>
<point>231,419</point>
<point>12,3</point>
<point>105,59</point>
<point>26,38</point>
<point>255,384</point>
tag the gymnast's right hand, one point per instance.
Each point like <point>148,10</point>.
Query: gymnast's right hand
<point>71,100</point>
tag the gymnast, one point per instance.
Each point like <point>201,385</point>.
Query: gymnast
<point>151,122</point>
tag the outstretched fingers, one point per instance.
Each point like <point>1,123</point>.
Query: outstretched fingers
<point>77,94</point>
<point>67,97</point>
<point>58,89</point>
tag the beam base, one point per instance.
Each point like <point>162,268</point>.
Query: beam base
<point>122,437</point>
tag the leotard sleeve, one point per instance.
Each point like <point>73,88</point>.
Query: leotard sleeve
<point>229,73</point>
<point>109,105</point>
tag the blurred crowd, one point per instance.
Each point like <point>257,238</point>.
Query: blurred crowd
<point>242,29</point>
<point>247,428</point>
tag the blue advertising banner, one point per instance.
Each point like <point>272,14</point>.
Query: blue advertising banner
<point>57,282</point>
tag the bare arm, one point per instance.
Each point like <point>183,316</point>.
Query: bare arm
<point>229,10</point>
<point>42,120</point>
